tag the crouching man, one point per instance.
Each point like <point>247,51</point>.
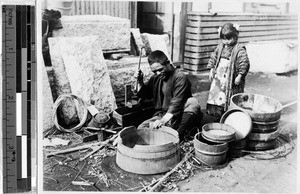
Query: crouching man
<point>170,90</point>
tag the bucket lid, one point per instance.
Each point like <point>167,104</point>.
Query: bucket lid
<point>239,120</point>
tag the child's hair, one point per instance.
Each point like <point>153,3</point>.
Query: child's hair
<point>228,31</point>
<point>158,56</point>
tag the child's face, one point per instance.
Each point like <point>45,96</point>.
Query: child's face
<point>230,41</point>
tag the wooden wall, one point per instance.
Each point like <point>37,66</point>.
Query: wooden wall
<point>202,36</point>
<point>122,9</point>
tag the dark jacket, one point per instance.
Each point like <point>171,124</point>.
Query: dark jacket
<point>169,96</point>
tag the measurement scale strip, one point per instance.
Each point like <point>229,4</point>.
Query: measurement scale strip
<point>18,107</point>
<point>31,77</point>
<point>9,99</point>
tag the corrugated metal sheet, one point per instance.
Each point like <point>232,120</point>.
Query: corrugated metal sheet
<point>202,37</point>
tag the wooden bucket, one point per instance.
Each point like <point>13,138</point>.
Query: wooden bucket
<point>265,113</point>
<point>260,108</point>
<point>236,148</point>
<point>218,132</point>
<point>208,152</point>
<point>148,151</point>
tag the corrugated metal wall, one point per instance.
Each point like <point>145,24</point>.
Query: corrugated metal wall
<point>120,9</point>
<point>202,36</point>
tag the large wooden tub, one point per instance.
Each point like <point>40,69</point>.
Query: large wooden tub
<point>148,151</point>
<point>265,113</point>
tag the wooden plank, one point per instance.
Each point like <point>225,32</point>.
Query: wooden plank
<point>87,8</point>
<point>82,10</point>
<point>97,7</point>
<point>110,5</point>
<point>77,8</point>
<point>194,67</point>
<point>242,34</point>
<point>196,61</point>
<point>242,39</point>
<point>92,8</point>
<point>105,10</point>
<point>244,23</point>
<point>229,18</point>
<point>199,49</point>
<point>193,55</point>
<point>206,30</point>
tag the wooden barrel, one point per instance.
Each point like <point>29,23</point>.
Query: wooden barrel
<point>260,108</point>
<point>208,152</point>
<point>265,113</point>
<point>236,148</point>
<point>148,151</point>
<point>261,145</point>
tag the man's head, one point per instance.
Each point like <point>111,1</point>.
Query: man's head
<point>160,65</point>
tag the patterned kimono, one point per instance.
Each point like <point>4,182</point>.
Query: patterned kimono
<point>227,62</point>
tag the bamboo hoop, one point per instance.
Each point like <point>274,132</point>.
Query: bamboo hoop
<point>56,105</point>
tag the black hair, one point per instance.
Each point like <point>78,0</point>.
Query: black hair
<point>158,56</point>
<point>228,31</point>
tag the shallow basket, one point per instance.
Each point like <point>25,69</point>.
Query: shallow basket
<point>148,151</point>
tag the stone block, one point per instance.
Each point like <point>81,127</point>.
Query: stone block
<point>157,42</point>
<point>47,101</point>
<point>121,73</point>
<point>80,69</point>
<point>114,32</point>
<point>138,42</point>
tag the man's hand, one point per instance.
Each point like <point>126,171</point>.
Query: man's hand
<point>139,76</point>
<point>237,80</point>
<point>157,124</point>
<point>160,122</point>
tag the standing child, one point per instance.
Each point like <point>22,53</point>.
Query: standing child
<point>229,65</point>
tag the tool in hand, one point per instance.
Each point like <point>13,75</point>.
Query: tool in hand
<point>135,90</point>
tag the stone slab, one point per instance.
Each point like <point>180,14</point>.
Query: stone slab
<point>279,56</point>
<point>122,73</point>
<point>138,42</point>
<point>47,101</point>
<point>114,32</point>
<point>157,42</point>
<point>80,69</point>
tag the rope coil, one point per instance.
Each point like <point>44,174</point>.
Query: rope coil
<point>58,101</point>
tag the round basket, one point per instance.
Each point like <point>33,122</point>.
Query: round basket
<point>58,102</point>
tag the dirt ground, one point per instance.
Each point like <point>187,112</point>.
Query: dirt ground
<point>258,173</point>
<point>273,171</point>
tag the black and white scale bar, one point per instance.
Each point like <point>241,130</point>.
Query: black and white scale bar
<point>19,57</point>
<point>9,98</point>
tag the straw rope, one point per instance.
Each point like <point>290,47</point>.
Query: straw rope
<point>58,101</point>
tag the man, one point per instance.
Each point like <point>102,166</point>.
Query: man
<point>170,90</point>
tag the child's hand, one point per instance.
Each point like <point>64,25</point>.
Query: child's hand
<point>237,80</point>
<point>211,75</point>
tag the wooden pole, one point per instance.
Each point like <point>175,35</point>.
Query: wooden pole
<point>187,156</point>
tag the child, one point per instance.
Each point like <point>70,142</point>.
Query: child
<point>229,65</point>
